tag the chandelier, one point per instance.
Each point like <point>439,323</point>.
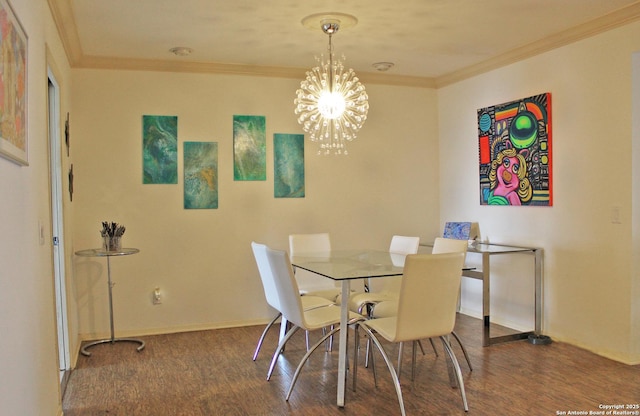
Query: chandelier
<point>331,103</point>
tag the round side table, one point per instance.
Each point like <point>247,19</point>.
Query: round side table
<point>98,252</point>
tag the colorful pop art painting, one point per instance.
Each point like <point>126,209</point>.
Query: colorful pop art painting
<point>288,165</point>
<point>514,143</point>
<point>249,148</point>
<point>160,149</point>
<point>200,175</point>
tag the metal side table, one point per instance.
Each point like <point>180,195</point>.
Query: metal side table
<point>96,252</point>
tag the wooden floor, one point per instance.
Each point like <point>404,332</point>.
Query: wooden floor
<point>211,373</point>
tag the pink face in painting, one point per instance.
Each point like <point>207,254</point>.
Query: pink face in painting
<point>507,174</point>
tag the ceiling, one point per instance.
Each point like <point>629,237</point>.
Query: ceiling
<point>430,42</point>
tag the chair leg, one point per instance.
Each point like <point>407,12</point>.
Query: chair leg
<point>400,352</point>
<point>464,350</point>
<point>421,347</point>
<point>279,350</point>
<point>356,351</point>
<point>394,375</point>
<point>434,348</point>
<point>413,360</point>
<point>458,372</point>
<point>264,333</point>
<point>306,357</point>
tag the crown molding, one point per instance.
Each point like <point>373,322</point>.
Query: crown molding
<point>67,30</point>
<point>161,65</point>
<point>63,17</point>
<point>602,24</point>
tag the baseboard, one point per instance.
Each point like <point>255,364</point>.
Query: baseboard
<point>173,329</point>
<point>497,320</point>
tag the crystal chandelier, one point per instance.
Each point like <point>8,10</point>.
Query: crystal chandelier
<point>331,103</point>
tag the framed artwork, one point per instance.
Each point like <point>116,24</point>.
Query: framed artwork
<point>159,149</point>
<point>200,175</point>
<point>13,85</point>
<point>457,230</point>
<point>514,145</point>
<point>288,165</point>
<point>249,148</point>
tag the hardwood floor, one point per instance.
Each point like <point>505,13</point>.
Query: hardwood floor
<point>211,373</point>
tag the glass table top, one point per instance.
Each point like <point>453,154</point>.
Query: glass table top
<point>99,252</point>
<point>491,248</point>
<point>351,264</point>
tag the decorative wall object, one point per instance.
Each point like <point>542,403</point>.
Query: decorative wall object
<point>514,141</point>
<point>67,139</point>
<point>249,148</point>
<point>200,175</point>
<point>71,183</point>
<point>160,149</point>
<point>288,158</point>
<point>13,84</point>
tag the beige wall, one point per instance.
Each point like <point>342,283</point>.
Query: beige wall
<point>201,259</point>
<point>589,269</point>
<point>29,383</point>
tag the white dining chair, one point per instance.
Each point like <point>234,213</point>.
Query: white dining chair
<point>427,309</point>
<point>389,307</point>
<point>382,289</point>
<point>292,310</point>
<point>271,294</point>
<point>313,245</point>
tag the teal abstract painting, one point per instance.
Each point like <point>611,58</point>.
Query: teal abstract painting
<point>288,158</point>
<point>249,148</point>
<point>159,149</point>
<point>200,175</point>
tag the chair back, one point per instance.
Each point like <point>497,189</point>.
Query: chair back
<point>401,244</point>
<point>266,276</point>
<point>449,245</point>
<point>286,287</point>
<point>428,295</point>
<point>400,247</point>
<point>311,245</point>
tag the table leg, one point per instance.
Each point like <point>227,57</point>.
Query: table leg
<point>113,339</point>
<point>342,348</point>
<point>486,299</point>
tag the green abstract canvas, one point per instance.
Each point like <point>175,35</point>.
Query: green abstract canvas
<point>288,157</point>
<point>159,149</point>
<point>200,175</point>
<point>249,148</point>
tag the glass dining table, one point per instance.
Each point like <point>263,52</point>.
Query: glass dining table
<point>344,266</point>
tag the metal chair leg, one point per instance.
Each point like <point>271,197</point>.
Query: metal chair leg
<point>434,348</point>
<point>458,372</point>
<point>264,333</point>
<point>306,357</point>
<point>394,375</point>
<point>400,352</point>
<point>279,350</point>
<point>464,350</point>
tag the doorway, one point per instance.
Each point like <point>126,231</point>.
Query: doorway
<point>57,226</point>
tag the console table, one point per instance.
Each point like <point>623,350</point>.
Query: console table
<point>95,252</point>
<point>488,250</point>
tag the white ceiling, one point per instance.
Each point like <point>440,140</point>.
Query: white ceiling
<point>429,39</point>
